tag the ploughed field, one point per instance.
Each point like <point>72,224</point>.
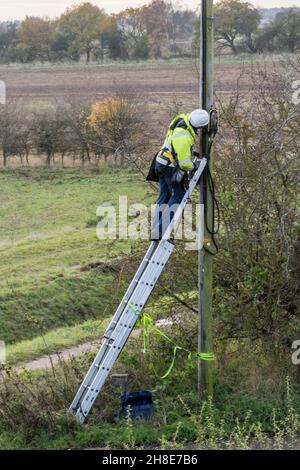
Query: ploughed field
<point>40,83</point>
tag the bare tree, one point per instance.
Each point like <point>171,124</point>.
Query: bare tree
<point>9,123</point>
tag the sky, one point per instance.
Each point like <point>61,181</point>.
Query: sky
<point>18,9</point>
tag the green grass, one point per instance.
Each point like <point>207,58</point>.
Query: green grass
<point>151,63</point>
<point>55,340</point>
<point>253,58</point>
<point>229,421</point>
<point>63,302</point>
<point>38,202</point>
<point>71,335</point>
<point>47,232</point>
<point>120,64</point>
<point>112,436</point>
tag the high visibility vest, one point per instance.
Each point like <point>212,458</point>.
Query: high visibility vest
<point>179,141</point>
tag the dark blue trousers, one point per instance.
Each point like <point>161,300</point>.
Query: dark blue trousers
<point>169,197</point>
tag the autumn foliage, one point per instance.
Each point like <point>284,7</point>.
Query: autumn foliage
<point>106,112</point>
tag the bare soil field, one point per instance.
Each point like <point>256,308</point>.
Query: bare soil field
<point>56,83</point>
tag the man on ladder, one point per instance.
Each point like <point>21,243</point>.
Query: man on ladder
<point>177,157</point>
<point>172,164</point>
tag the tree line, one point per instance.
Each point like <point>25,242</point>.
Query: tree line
<point>87,30</point>
<point>88,132</point>
<point>152,31</point>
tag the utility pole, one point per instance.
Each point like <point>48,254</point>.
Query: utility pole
<point>205,340</point>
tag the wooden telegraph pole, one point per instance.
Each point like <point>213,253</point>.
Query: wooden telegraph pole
<point>205,341</point>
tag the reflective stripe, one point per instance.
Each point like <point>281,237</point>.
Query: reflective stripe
<point>181,134</point>
<point>186,160</point>
<point>167,145</point>
<point>162,161</point>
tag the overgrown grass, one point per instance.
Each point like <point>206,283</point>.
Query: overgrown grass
<point>33,411</point>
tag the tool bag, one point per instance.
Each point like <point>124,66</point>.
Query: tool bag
<point>152,175</point>
<point>138,405</point>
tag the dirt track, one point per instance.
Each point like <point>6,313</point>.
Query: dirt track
<point>47,361</point>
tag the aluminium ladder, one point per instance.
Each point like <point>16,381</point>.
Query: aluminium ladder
<point>129,310</point>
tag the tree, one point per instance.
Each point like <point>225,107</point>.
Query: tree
<point>235,18</point>
<point>61,43</point>
<point>35,37</point>
<point>157,17</point>
<point>86,23</point>
<point>266,37</point>
<point>113,39</point>
<point>260,215</point>
<point>49,128</point>
<point>287,27</point>
<point>24,136</point>
<point>115,123</point>
<point>117,126</point>
<point>8,34</point>
<point>281,34</point>
<point>134,30</point>
<point>9,124</point>
<point>165,24</point>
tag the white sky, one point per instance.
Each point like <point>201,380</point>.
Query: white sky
<point>18,9</point>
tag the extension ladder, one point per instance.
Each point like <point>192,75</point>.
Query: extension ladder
<point>129,310</point>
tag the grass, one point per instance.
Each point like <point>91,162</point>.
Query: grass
<point>37,201</point>
<point>253,58</point>
<point>47,233</point>
<point>55,340</point>
<point>29,312</point>
<point>232,420</point>
<point>71,335</point>
<point>151,63</point>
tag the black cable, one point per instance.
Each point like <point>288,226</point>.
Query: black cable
<point>208,182</point>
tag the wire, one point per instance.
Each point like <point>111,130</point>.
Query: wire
<point>208,182</point>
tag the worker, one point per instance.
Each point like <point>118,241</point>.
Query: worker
<point>172,163</point>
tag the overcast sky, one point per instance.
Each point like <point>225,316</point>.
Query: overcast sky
<point>18,9</point>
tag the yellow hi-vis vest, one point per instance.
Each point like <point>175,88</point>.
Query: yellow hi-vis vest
<point>178,144</point>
